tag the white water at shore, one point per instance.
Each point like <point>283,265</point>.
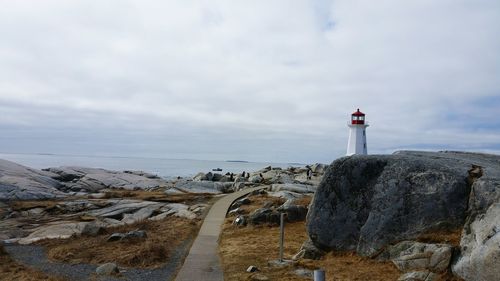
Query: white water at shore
<point>163,167</point>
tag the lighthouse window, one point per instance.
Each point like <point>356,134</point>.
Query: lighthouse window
<point>363,132</point>
<point>361,118</point>
<point>355,118</point>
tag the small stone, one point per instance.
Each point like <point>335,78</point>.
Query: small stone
<point>418,276</point>
<point>107,269</point>
<point>305,273</point>
<point>252,268</point>
<point>115,237</point>
<point>240,221</point>
<point>309,251</point>
<point>234,212</point>
<point>93,228</point>
<point>136,234</point>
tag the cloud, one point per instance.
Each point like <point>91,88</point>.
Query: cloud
<point>269,80</point>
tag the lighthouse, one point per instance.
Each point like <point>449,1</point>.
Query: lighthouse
<point>357,134</point>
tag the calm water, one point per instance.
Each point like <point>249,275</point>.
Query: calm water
<point>163,167</point>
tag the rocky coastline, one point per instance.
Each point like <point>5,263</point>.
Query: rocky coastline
<point>432,215</point>
<point>66,203</point>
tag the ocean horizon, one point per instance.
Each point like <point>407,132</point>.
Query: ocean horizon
<point>163,167</point>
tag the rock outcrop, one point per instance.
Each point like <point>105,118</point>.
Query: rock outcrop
<point>93,179</point>
<point>18,182</point>
<point>366,203</point>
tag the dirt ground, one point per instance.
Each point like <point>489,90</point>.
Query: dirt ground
<point>241,247</point>
<point>11,270</point>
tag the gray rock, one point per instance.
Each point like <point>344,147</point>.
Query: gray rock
<point>200,177</point>
<point>141,214</point>
<point>198,208</point>
<point>94,228</point>
<point>238,186</point>
<point>264,215</point>
<point>288,195</point>
<point>480,250</point>
<point>252,268</point>
<point>136,234</point>
<point>309,251</point>
<point>93,180</point>
<point>419,276</point>
<point>185,214</point>
<point>365,203</point>
<point>265,169</point>
<point>198,186</point>
<point>107,269</point>
<point>120,207</point>
<point>18,182</point>
<point>115,237</point>
<point>240,221</point>
<point>297,188</point>
<point>159,217</point>
<point>304,273</point>
<point>318,168</point>
<point>293,212</point>
<point>234,212</point>
<point>240,202</point>
<point>142,174</point>
<point>411,256</point>
<point>62,230</point>
<point>256,179</point>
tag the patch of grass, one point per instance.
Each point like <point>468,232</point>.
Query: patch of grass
<point>241,247</point>
<point>158,196</point>
<point>163,237</point>
<point>451,237</point>
<point>26,205</point>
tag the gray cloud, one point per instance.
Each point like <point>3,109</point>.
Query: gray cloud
<point>256,80</point>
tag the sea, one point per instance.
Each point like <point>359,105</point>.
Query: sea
<point>163,167</point>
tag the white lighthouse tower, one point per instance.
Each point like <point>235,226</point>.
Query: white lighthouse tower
<point>357,134</point>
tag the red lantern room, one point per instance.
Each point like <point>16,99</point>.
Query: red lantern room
<point>358,118</point>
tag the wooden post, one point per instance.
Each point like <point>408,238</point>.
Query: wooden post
<point>282,234</point>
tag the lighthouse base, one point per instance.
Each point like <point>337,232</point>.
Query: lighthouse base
<point>357,140</point>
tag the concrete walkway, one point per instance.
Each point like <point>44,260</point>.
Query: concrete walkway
<point>203,262</point>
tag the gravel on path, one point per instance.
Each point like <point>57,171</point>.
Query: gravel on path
<point>36,257</point>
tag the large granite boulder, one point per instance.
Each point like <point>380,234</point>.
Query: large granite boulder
<point>18,182</point>
<point>365,203</point>
<point>480,247</point>
<point>94,179</point>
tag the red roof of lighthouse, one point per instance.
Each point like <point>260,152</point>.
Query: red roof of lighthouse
<point>358,113</point>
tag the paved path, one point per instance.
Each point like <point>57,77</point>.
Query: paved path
<point>203,262</point>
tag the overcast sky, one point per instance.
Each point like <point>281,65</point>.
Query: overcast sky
<point>252,80</point>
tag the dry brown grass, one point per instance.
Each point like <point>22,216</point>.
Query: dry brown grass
<point>26,205</point>
<point>11,270</point>
<point>451,237</point>
<point>241,247</point>
<point>256,245</point>
<point>158,196</point>
<point>154,251</point>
